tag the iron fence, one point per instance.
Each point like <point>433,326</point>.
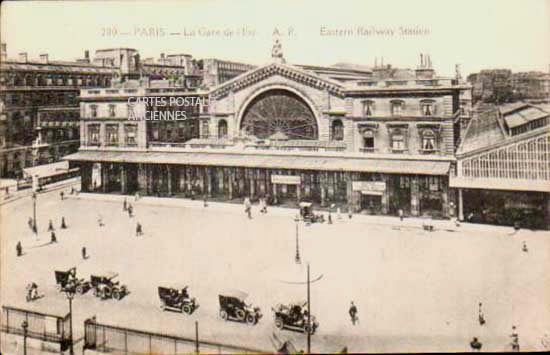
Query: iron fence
<point>108,338</point>
<point>43,326</point>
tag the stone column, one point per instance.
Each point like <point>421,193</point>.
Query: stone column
<point>123,179</point>
<point>415,208</point>
<point>86,176</point>
<point>104,177</point>
<point>149,170</point>
<point>460,206</point>
<point>241,178</point>
<point>208,173</point>
<point>142,178</point>
<point>189,179</point>
<point>445,200</point>
<point>547,211</point>
<point>298,192</point>
<point>349,192</point>
<point>230,182</point>
<point>169,177</point>
<point>385,199</point>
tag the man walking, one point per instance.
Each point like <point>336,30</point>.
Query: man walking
<point>130,210</point>
<point>50,226</point>
<point>353,313</point>
<point>124,205</point>
<point>63,225</point>
<point>53,238</point>
<point>139,230</point>
<point>19,249</point>
<point>480,316</point>
<point>84,256</point>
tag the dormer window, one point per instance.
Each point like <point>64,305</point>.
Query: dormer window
<point>368,108</point>
<point>397,108</point>
<point>427,107</point>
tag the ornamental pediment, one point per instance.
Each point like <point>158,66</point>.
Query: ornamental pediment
<point>290,72</point>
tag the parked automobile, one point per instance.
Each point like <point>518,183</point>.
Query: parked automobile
<point>294,316</point>
<point>176,298</point>
<point>67,281</point>
<point>233,305</point>
<point>307,215</point>
<point>105,286</point>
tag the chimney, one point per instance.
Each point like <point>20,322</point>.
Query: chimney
<point>44,58</point>
<point>162,56</point>
<point>87,54</point>
<point>424,70</point>
<point>23,57</point>
<point>3,52</point>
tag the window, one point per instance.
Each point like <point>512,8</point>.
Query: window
<point>130,133</point>
<point>222,129</point>
<point>427,107</point>
<point>397,108</point>
<point>205,129</point>
<point>93,111</point>
<point>368,139</point>
<point>112,112</point>
<point>337,130</point>
<point>428,140</point>
<point>368,108</point>
<point>111,131</point>
<point>93,134</point>
<point>398,140</point>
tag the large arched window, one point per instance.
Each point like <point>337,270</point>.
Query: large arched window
<point>337,130</point>
<point>222,129</point>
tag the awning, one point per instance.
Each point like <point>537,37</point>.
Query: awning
<point>271,161</point>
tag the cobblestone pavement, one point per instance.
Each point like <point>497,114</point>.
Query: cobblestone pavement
<point>415,290</point>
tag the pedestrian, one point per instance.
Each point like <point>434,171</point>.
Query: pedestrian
<point>29,222</point>
<point>139,231</point>
<point>475,344</point>
<point>130,210</point>
<point>524,248</point>
<point>515,339</point>
<point>53,238</point>
<point>400,212</point>
<point>353,313</point>
<point>124,205</point>
<point>350,212</point>
<point>62,194</point>
<point>100,221</point>
<point>50,226</point>
<point>84,256</point>
<point>329,218</point>
<point>72,190</point>
<point>205,201</point>
<point>480,316</point>
<point>63,225</point>
<point>19,249</point>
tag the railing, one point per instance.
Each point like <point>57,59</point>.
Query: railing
<point>43,326</point>
<point>107,338</point>
<point>367,150</point>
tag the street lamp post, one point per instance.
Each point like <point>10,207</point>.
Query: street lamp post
<point>34,227</point>
<point>25,326</point>
<point>70,296</point>
<point>297,258</point>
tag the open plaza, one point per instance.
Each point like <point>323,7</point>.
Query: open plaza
<point>415,290</point>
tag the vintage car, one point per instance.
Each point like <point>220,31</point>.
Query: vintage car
<point>294,316</point>
<point>66,281</point>
<point>233,306</point>
<point>176,298</point>
<point>307,215</point>
<point>105,286</point>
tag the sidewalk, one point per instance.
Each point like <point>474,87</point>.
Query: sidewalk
<point>5,199</point>
<point>407,223</point>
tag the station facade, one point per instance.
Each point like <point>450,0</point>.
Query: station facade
<point>372,140</point>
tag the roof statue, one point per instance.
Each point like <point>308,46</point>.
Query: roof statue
<point>458,75</point>
<point>277,52</point>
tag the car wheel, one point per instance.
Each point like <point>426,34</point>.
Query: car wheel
<point>116,295</point>
<point>240,314</point>
<point>223,315</point>
<point>79,289</point>
<point>279,323</point>
<point>187,309</point>
<point>251,319</point>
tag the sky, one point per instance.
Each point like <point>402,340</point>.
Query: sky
<point>477,34</point>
